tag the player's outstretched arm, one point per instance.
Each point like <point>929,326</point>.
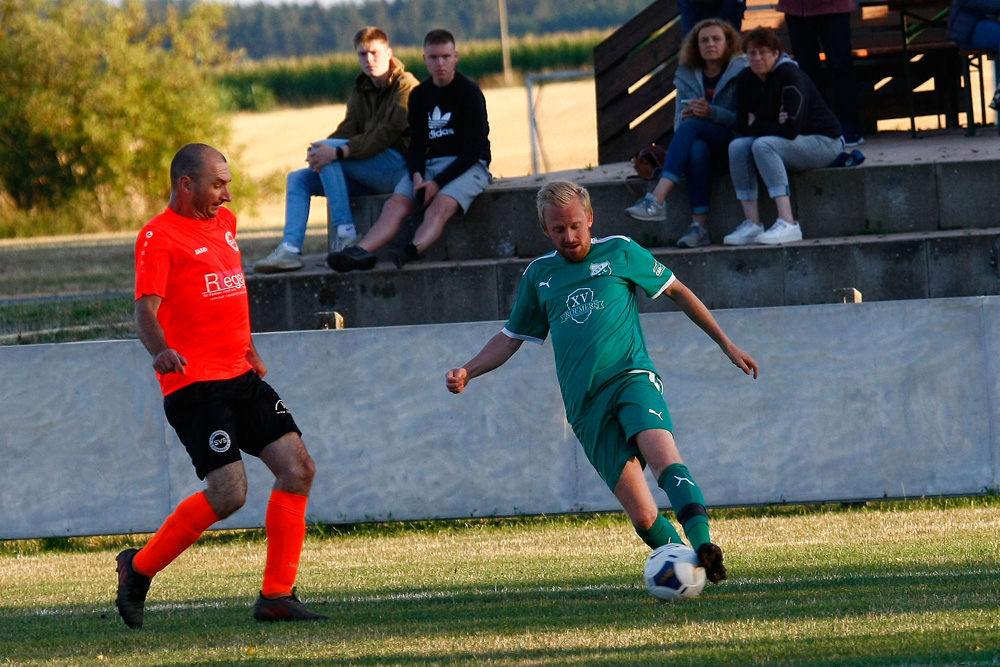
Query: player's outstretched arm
<point>698,313</point>
<point>495,353</point>
<point>165,359</point>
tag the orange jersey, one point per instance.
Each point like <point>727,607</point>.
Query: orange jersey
<point>195,267</point>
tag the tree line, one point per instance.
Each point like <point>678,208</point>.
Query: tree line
<point>96,96</point>
<point>288,30</point>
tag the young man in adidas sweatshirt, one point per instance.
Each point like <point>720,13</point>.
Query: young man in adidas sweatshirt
<point>448,161</point>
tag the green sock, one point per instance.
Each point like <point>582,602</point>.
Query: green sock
<point>688,503</point>
<point>660,533</point>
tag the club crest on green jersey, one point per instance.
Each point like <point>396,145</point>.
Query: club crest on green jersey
<point>600,269</point>
<point>580,304</point>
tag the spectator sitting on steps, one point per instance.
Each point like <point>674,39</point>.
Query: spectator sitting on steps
<point>364,155</point>
<point>785,125</point>
<point>975,24</point>
<point>447,166</point>
<point>711,57</point>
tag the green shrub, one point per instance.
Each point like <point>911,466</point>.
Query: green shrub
<point>94,102</point>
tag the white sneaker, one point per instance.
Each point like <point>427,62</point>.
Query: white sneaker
<point>281,259</point>
<point>781,231</point>
<point>648,208</point>
<point>746,233</point>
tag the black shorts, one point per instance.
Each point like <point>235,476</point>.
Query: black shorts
<point>216,419</point>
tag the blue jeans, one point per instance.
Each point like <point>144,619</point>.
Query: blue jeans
<point>774,157</point>
<point>698,150</point>
<point>338,182</point>
<point>693,11</point>
<point>986,35</point>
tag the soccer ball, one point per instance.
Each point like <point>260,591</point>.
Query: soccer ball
<point>672,573</point>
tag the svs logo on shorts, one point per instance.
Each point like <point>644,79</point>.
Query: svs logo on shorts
<point>224,283</point>
<point>219,441</point>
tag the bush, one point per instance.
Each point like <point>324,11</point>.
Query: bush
<point>94,102</point>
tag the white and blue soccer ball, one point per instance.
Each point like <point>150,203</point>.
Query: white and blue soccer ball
<point>672,573</point>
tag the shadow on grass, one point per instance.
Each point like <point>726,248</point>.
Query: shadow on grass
<point>559,622</point>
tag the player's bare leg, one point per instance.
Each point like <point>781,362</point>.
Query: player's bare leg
<point>227,488</point>
<point>290,463</point>
<point>633,493</point>
<point>661,454</point>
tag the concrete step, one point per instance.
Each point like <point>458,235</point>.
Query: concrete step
<point>911,265</point>
<point>878,198</point>
<point>918,219</point>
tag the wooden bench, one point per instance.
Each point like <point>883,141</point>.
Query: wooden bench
<point>899,46</point>
<point>635,66</point>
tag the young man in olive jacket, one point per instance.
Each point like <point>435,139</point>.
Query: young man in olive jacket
<point>366,154</point>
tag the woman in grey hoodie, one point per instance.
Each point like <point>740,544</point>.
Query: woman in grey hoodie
<point>711,57</point>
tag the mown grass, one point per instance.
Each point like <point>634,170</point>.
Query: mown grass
<point>65,320</point>
<point>889,584</point>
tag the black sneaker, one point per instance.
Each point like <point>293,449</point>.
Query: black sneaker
<point>288,608</point>
<point>710,558</point>
<point>351,258</point>
<point>132,589</point>
<point>402,255</point>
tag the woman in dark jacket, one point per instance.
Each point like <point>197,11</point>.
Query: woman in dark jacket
<point>785,125</point>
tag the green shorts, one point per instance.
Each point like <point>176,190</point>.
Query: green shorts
<point>624,407</point>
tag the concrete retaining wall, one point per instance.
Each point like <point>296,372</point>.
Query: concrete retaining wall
<point>858,401</point>
<point>898,266</point>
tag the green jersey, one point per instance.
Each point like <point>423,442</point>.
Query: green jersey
<point>590,309</point>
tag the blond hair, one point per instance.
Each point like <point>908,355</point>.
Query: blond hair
<point>560,194</point>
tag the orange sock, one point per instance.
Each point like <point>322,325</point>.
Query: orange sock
<point>181,529</point>
<point>285,524</point>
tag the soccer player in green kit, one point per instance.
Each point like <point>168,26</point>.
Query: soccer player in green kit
<point>583,293</point>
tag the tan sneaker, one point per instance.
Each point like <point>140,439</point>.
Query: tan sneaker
<point>279,260</point>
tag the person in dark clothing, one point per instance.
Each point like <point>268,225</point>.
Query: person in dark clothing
<point>785,125</point>
<point>975,24</point>
<point>448,160</point>
<point>816,26</point>
<point>693,11</point>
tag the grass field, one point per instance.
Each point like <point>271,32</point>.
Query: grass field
<point>903,583</point>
